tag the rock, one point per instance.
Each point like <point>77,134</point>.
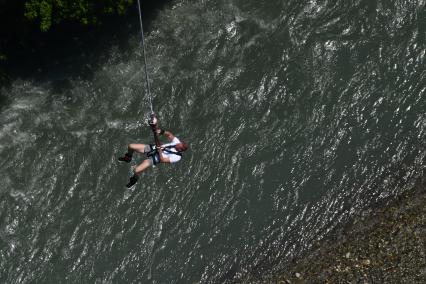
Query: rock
<point>387,247</point>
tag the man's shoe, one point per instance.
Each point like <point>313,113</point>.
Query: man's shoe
<point>126,158</point>
<point>133,180</point>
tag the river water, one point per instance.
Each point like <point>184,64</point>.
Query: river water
<point>299,115</point>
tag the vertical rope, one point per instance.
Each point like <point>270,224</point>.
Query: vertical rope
<point>144,58</point>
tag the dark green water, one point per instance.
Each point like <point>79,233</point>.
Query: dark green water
<point>299,115</point>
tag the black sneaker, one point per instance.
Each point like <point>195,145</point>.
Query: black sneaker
<point>126,158</point>
<point>133,180</point>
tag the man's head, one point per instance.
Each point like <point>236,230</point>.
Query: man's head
<point>182,146</point>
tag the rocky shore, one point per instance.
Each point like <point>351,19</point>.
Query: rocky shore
<point>384,245</point>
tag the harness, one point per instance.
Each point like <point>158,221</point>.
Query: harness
<point>153,153</point>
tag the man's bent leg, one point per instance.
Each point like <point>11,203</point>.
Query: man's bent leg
<point>138,170</point>
<point>139,148</point>
<point>143,166</point>
<point>131,148</point>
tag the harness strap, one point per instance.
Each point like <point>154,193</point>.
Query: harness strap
<point>165,149</point>
<point>172,152</point>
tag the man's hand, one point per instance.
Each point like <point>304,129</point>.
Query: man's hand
<point>153,122</point>
<point>154,127</point>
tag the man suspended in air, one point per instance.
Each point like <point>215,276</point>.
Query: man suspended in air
<point>158,153</point>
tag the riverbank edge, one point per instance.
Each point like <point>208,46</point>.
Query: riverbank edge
<point>382,245</point>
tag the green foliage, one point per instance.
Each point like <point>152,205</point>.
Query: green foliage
<point>4,79</point>
<point>3,76</point>
<point>50,12</point>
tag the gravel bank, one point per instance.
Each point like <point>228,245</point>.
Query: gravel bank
<point>385,245</point>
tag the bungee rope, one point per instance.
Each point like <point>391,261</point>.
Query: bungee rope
<point>144,59</point>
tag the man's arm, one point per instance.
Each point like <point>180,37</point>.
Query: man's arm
<point>166,133</point>
<point>169,135</point>
<point>163,159</point>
